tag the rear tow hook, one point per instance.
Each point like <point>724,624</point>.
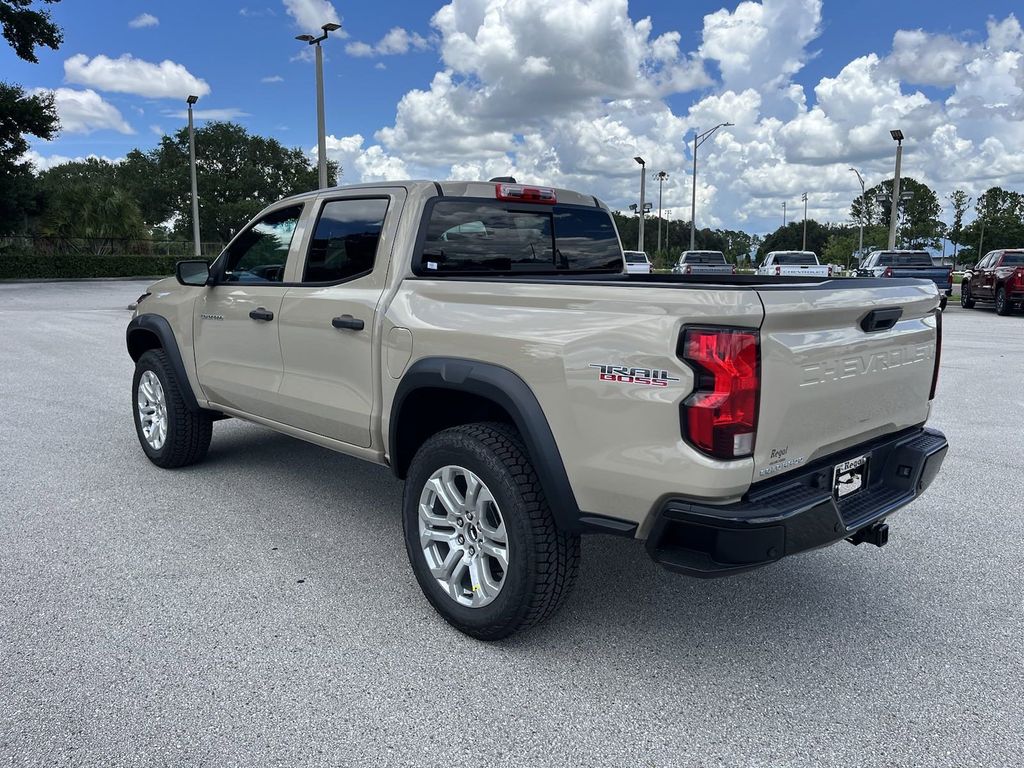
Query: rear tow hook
<point>876,533</point>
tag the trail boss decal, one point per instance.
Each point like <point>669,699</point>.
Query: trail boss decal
<point>620,374</point>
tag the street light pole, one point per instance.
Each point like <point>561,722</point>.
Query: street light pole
<point>643,184</point>
<point>668,228</point>
<point>196,244</point>
<point>661,181</point>
<point>321,130</point>
<point>783,214</point>
<point>863,205</point>
<point>897,136</point>
<point>804,248</point>
<point>698,139</point>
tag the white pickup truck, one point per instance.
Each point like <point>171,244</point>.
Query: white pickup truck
<point>793,264</point>
<point>484,341</point>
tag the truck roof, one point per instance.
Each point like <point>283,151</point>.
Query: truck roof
<point>454,189</point>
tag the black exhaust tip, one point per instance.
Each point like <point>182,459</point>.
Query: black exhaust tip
<point>876,533</point>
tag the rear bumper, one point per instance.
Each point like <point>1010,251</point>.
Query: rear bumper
<point>797,512</point>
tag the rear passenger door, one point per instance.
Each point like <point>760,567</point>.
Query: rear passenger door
<point>981,281</point>
<point>330,337</point>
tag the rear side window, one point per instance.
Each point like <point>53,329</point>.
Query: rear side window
<point>704,257</point>
<point>483,236</point>
<point>344,244</point>
<point>799,259</point>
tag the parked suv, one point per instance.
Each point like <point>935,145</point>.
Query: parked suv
<point>999,278</point>
<point>484,342</point>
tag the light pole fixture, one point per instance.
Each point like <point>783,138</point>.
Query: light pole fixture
<point>643,207</point>
<point>698,139</point>
<point>897,136</point>
<point>196,244</point>
<point>863,206</point>
<point>783,214</point>
<point>321,131</point>
<point>804,198</point>
<point>668,228</point>
<point>661,182</point>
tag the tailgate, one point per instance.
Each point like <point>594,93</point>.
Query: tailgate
<point>826,383</point>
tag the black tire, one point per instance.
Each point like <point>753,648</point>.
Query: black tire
<point>543,560</point>
<point>188,431</point>
<point>943,299</point>
<point>965,296</point>
<point>1003,305</point>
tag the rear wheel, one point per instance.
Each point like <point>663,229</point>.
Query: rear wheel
<point>965,296</point>
<point>1003,306</point>
<point>171,434</point>
<point>480,535</point>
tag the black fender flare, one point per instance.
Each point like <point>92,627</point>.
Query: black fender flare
<point>157,325</point>
<point>506,389</point>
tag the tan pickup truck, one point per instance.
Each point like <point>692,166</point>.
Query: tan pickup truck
<point>484,341</point>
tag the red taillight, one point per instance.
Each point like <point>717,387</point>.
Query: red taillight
<point>938,353</point>
<point>734,269</point>
<point>830,270</point>
<point>778,270</point>
<point>524,194</point>
<point>720,417</point>
<point>888,272</point>
<point>689,269</point>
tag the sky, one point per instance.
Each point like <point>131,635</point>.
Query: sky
<point>567,92</point>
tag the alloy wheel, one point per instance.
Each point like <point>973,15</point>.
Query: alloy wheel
<point>462,535</point>
<point>152,405</point>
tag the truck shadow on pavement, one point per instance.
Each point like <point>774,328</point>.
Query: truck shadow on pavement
<point>828,598</point>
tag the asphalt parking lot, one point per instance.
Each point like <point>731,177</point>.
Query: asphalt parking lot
<point>258,609</point>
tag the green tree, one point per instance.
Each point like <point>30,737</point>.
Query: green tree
<point>22,114</point>
<point>999,224</point>
<point>918,222</point>
<point>790,238</point>
<point>960,201</point>
<point>238,174</point>
<point>86,200</point>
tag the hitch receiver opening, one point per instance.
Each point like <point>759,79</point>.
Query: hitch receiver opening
<point>876,533</point>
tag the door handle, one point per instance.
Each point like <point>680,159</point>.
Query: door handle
<point>261,314</point>
<point>349,322</point>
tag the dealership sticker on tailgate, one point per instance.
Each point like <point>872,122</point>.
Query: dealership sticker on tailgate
<point>849,477</point>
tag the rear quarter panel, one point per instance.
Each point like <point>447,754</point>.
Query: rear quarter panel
<point>621,443</point>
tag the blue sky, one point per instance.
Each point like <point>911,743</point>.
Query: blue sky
<point>246,54</point>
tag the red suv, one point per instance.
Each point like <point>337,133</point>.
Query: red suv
<point>998,277</point>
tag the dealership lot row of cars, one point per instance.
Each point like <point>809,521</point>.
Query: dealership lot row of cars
<point>997,279</point>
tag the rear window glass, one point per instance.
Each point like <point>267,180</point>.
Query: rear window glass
<point>1013,259</point>
<point>703,257</point>
<point>920,259</point>
<point>477,236</point>
<point>635,257</point>
<point>799,259</point>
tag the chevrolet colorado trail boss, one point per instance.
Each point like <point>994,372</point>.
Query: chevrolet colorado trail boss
<point>484,341</point>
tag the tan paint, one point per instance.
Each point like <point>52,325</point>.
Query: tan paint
<point>620,444</point>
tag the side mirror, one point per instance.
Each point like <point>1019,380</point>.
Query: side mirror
<point>192,272</point>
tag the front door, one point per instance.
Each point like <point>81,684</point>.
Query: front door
<point>237,344</point>
<point>327,328</point>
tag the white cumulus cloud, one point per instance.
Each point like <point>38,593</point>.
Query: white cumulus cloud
<point>85,111</point>
<point>127,74</point>
<point>144,20</point>
<point>311,15</point>
<point>397,41</point>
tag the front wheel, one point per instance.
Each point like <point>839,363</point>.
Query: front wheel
<point>965,296</point>
<point>480,535</point>
<point>1003,306</point>
<point>171,434</point>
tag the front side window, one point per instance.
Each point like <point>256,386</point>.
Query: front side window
<point>260,253</point>
<point>1013,260</point>
<point>483,236</point>
<point>344,244</point>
